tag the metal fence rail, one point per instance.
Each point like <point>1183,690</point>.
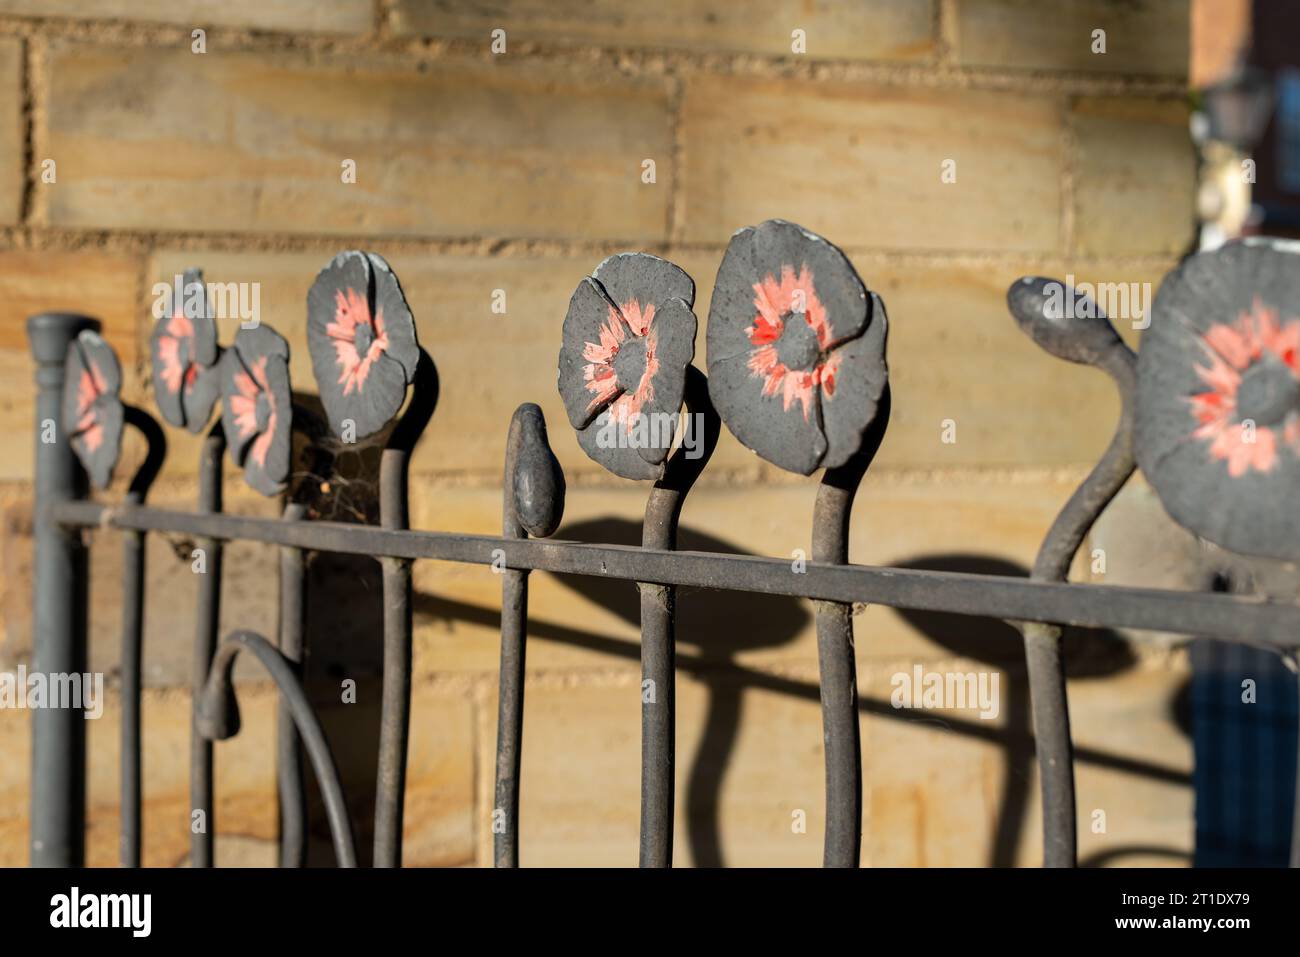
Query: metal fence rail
<point>76,390</point>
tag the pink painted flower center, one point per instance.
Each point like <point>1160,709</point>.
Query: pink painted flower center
<point>1251,410</point>
<point>253,407</point>
<point>358,342</point>
<point>176,353</point>
<point>621,367</point>
<point>792,340</point>
<point>90,386</point>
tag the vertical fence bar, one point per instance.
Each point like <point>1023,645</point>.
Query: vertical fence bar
<point>658,715</point>
<point>58,808</point>
<point>533,492</point>
<point>293,790</point>
<point>133,558</point>
<point>837,666</point>
<point>658,631</point>
<point>1050,710</point>
<point>510,699</point>
<point>838,678</point>
<point>395,703</point>
<point>132,625</point>
<point>205,645</point>
<point>395,712</point>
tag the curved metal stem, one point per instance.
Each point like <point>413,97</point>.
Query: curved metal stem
<point>835,657</point>
<point>203,827</point>
<point>153,434</point>
<point>658,626</point>
<point>129,839</point>
<point>395,707</point>
<point>218,719</point>
<point>1043,654</point>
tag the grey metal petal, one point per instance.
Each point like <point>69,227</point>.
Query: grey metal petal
<point>783,435</point>
<point>399,323</point>
<point>589,310</point>
<point>601,441</point>
<point>674,328</point>
<point>645,278</point>
<point>260,347</point>
<point>205,326</point>
<point>92,407</point>
<point>198,397</point>
<point>779,245</point>
<point>851,407</point>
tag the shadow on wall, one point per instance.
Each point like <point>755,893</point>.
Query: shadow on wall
<point>1089,653</point>
<point>713,627</point>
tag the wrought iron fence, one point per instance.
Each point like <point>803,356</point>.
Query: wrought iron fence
<point>796,370</point>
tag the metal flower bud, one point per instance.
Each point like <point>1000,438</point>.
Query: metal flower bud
<point>1068,325</point>
<point>538,480</point>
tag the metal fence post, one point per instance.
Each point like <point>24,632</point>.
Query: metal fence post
<point>58,788</point>
<point>208,617</point>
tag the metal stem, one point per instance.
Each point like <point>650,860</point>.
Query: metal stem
<point>1043,654</point>
<point>218,718</point>
<point>658,631</point>
<point>293,791</point>
<point>58,796</point>
<point>533,504</point>
<point>129,840</point>
<point>835,656</point>
<point>202,821</point>
<point>510,696</point>
<point>395,705</point>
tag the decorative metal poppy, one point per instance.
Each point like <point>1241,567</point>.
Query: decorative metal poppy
<point>362,340</point>
<point>92,406</point>
<point>1218,418</point>
<point>184,352</point>
<point>628,339</point>
<point>256,412</point>
<point>796,347</point>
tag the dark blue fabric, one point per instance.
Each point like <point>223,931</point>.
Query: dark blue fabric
<point>1245,756</point>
